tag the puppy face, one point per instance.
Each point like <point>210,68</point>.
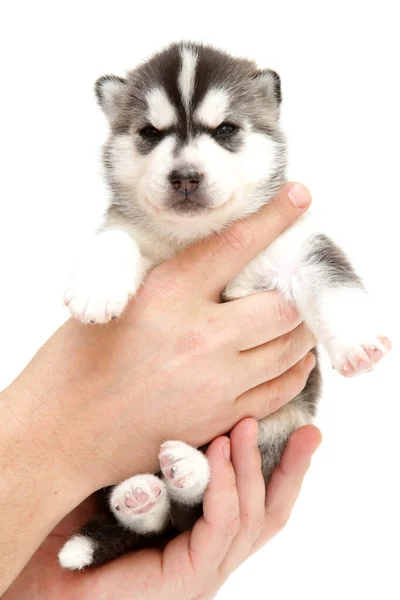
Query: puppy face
<point>195,137</point>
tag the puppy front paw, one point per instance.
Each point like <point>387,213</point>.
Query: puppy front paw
<point>353,358</point>
<point>96,294</point>
<point>348,325</point>
<point>110,273</point>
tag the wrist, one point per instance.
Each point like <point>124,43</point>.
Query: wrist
<point>37,490</point>
<point>70,402</point>
<point>33,446</point>
<point>73,433</point>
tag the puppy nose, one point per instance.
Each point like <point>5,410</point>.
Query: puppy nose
<point>185,181</point>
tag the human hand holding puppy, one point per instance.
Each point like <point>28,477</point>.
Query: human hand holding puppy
<point>94,404</point>
<point>240,516</point>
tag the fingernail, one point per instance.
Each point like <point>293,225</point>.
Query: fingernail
<point>299,195</point>
<point>310,361</point>
<point>226,450</point>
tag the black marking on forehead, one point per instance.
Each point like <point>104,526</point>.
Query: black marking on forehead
<point>218,69</point>
<point>213,68</point>
<point>162,71</point>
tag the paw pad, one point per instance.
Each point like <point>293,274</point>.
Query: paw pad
<point>184,468</point>
<point>137,495</point>
<point>361,358</point>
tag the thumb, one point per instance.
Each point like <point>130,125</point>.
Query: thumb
<point>211,264</point>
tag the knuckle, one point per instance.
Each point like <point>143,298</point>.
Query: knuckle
<point>266,371</point>
<point>237,239</point>
<point>277,397</point>
<point>301,378</point>
<point>232,525</point>
<point>286,351</point>
<point>227,335</point>
<point>220,333</point>
<point>287,387</point>
<point>283,363</point>
<point>305,341</point>
<point>231,522</point>
<point>253,525</point>
<point>251,319</point>
<point>287,313</point>
<point>312,340</point>
<point>258,525</point>
<point>280,206</point>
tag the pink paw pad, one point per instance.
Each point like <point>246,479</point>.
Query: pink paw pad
<point>175,464</point>
<point>172,473</point>
<point>185,469</point>
<point>365,357</point>
<point>136,500</point>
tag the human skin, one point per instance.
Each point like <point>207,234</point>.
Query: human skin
<point>240,517</point>
<point>94,404</point>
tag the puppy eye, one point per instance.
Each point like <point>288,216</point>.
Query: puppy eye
<point>150,132</point>
<point>225,130</point>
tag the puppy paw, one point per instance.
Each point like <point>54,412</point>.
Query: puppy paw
<point>109,274</point>
<point>349,328</point>
<point>186,471</point>
<point>96,295</point>
<point>351,359</point>
<point>140,503</point>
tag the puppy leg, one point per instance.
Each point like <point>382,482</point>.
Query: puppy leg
<point>108,275</point>
<point>186,472</point>
<point>138,511</point>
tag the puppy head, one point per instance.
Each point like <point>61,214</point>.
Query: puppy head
<point>195,139</point>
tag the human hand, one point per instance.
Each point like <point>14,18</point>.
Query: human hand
<point>239,518</point>
<point>178,365</point>
<point>94,404</point>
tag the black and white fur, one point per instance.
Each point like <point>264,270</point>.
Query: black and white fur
<point>196,144</point>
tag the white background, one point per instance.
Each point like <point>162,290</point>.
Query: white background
<point>339,68</point>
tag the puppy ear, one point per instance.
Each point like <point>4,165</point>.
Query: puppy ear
<point>109,91</point>
<point>268,90</point>
<point>270,83</point>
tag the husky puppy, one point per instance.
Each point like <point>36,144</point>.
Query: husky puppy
<point>195,144</point>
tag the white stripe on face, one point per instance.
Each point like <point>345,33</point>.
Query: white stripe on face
<point>161,113</point>
<point>214,108</point>
<point>186,78</point>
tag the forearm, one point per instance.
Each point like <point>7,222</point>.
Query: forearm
<point>50,457</point>
<point>36,487</point>
<point>56,447</point>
